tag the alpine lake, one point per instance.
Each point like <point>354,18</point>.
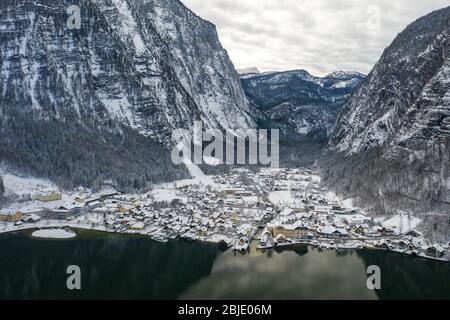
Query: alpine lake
<point>136,267</point>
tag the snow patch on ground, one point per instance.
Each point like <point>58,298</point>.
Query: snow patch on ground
<point>348,203</point>
<point>280,198</point>
<point>193,169</point>
<point>54,234</point>
<point>402,223</point>
<point>166,195</point>
<point>211,161</point>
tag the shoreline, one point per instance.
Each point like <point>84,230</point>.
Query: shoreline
<point>294,210</point>
<point>28,231</point>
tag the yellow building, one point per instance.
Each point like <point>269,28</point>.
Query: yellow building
<point>11,216</point>
<point>49,197</point>
<point>292,233</point>
<point>138,226</point>
<point>201,233</point>
<point>123,210</point>
<point>299,209</point>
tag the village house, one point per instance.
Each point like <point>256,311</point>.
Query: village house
<point>94,204</point>
<point>244,230</point>
<point>336,207</point>
<point>331,232</point>
<point>296,230</point>
<point>11,216</point>
<point>243,193</point>
<point>106,209</point>
<point>362,229</point>
<point>281,238</point>
<point>322,210</point>
<point>385,231</point>
<point>405,244</point>
<point>80,199</point>
<point>33,218</point>
<point>49,196</point>
<point>264,239</point>
<point>125,209</point>
<point>137,226</point>
<point>435,251</point>
<point>231,191</point>
<point>383,244</point>
<point>72,209</point>
<point>413,233</point>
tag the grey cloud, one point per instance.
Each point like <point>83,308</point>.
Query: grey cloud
<point>318,35</point>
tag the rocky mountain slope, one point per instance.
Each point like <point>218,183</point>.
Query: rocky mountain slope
<point>302,106</point>
<point>395,129</point>
<point>101,102</point>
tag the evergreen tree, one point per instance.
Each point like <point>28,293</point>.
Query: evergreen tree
<point>2,191</point>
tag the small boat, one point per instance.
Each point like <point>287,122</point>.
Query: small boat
<point>173,237</point>
<point>242,247</point>
<point>315,243</point>
<point>266,247</point>
<point>159,238</point>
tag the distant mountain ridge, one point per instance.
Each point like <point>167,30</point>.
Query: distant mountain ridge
<point>301,105</point>
<point>248,71</point>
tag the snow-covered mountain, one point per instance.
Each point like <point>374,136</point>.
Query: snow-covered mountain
<point>302,106</point>
<point>405,98</point>
<point>135,70</point>
<point>399,118</point>
<point>248,71</point>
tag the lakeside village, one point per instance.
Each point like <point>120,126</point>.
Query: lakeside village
<point>276,208</point>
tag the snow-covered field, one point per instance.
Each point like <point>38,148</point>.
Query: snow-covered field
<point>22,185</point>
<point>402,223</point>
<point>36,206</point>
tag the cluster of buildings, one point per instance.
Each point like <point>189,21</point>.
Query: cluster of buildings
<point>273,207</point>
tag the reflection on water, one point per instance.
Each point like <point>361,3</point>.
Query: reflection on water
<point>298,274</point>
<point>115,267</point>
<point>406,277</point>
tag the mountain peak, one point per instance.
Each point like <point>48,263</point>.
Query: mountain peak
<point>248,71</point>
<point>344,74</point>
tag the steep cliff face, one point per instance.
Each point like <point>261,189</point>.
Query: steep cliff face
<point>395,129</point>
<point>407,90</point>
<point>135,71</point>
<point>201,64</point>
<point>302,106</point>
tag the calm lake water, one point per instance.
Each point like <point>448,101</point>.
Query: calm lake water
<point>119,267</point>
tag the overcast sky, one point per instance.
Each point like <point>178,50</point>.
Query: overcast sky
<point>320,36</point>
